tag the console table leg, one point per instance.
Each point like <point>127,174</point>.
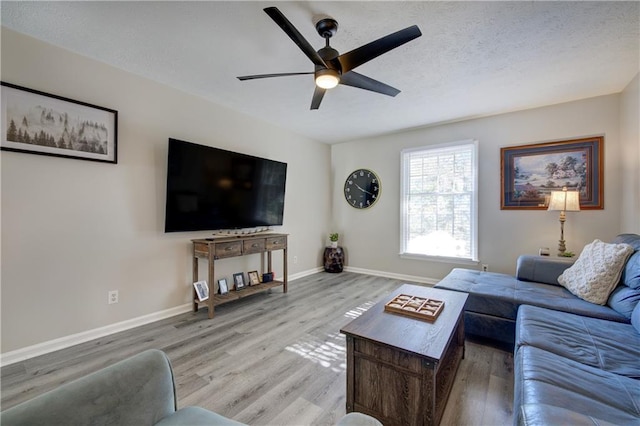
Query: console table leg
<point>195,278</point>
<point>284,267</point>
<point>212,286</point>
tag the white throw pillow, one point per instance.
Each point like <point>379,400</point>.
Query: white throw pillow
<point>597,271</point>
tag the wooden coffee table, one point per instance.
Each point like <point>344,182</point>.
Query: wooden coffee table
<point>401,369</point>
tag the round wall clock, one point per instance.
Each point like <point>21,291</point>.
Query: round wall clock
<point>362,189</point>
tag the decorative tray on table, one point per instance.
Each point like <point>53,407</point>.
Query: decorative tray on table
<point>416,307</point>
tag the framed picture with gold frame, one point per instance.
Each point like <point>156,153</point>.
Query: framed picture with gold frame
<point>530,172</point>
<point>253,278</point>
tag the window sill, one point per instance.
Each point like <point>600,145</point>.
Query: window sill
<point>442,259</point>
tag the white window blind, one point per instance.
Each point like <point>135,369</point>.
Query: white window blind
<point>439,201</point>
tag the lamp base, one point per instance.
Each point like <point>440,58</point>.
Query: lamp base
<point>561,248</point>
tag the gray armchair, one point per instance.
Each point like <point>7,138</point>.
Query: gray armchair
<point>139,390</point>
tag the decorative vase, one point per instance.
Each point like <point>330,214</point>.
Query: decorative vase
<point>334,244</point>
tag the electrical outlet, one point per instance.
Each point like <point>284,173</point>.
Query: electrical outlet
<point>295,259</point>
<point>485,267</point>
<point>113,297</point>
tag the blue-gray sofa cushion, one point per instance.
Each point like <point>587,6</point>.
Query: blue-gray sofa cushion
<point>541,269</point>
<point>631,272</point>
<point>500,295</point>
<point>623,299</point>
<point>548,415</point>
<point>610,346</point>
<point>546,378</point>
<point>635,318</point>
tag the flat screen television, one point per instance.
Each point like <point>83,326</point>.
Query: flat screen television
<point>214,189</point>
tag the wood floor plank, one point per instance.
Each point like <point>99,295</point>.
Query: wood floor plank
<point>270,358</point>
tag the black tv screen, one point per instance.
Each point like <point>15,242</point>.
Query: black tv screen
<point>214,189</point>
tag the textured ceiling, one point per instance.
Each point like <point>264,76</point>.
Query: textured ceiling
<point>474,58</point>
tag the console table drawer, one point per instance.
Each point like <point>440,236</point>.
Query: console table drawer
<point>201,249</point>
<point>276,243</point>
<point>253,246</point>
<point>228,249</point>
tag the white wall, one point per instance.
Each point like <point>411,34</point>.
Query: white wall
<point>73,230</point>
<point>630,156</point>
<point>371,237</point>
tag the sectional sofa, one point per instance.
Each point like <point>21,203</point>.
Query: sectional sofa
<point>575,362</point>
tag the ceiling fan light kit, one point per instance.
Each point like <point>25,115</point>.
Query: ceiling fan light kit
<point>331,68</point>
<point>327,78</point>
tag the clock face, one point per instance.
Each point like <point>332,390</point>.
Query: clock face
<point>362,189</point>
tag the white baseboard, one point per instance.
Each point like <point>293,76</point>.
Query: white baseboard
<point>402,277</point>
<point>85,336</point>
<point>305,273</point>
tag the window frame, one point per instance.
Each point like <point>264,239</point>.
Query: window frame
<point>404,181</point>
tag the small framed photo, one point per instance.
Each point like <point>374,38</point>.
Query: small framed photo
<point>253,278</point>
<point>202,290</point>
<point>223,288</point>
<point>238,281</point>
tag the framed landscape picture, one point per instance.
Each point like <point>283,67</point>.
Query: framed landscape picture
<point>530,172</point>
<point>41,123</point>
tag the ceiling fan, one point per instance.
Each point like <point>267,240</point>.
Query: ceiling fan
<point>331,68</point>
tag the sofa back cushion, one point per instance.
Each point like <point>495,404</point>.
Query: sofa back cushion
<point>635,318</point>
<point>597,271</point>
<point>631,271</point>
<point>624,300</point>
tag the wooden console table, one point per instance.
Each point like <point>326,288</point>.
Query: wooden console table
<point>221,247</point>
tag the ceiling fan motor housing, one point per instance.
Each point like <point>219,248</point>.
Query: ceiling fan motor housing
<point>331,74</point>
<point>327,27</point>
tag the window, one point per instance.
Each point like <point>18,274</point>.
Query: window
<point>439,201</point>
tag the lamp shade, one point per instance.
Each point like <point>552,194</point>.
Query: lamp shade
<point>568,201</point>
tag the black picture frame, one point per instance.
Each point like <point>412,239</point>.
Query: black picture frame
<point>36,122</point>
<point>238,281</point>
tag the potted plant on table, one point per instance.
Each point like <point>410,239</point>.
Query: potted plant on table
<point>333,237</point>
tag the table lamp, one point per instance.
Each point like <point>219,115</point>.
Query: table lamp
<point>564,201</point>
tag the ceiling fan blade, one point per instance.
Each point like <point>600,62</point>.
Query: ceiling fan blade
<point>372,50</point>
<point>318,94</point>
<point>295,35</point>
<point>360,81</point>
<point>284,74</point>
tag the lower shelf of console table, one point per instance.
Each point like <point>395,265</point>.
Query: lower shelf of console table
<point>219,299</point>
<point>221,247</point>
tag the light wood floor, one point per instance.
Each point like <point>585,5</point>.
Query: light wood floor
<point>270,358</point>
